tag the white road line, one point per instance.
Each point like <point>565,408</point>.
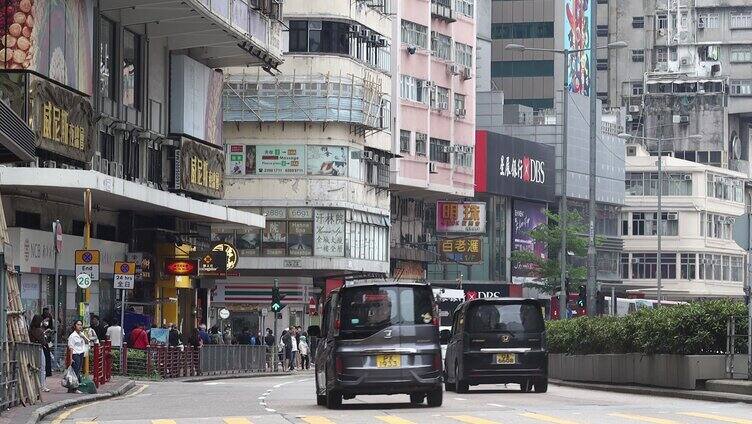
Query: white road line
<point>496,405</point>
<point>270,410</point>
<point>460,399</point>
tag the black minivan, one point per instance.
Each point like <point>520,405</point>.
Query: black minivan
<point>379,338</point>
<point>496,341</point>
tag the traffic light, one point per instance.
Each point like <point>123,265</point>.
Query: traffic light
<point>582,297</point>
<point>276,300</point>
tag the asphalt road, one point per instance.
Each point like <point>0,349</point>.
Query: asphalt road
<point>291,400</point>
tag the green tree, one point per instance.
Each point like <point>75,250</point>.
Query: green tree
<point>547,269</point>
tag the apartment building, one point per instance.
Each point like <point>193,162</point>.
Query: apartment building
<point>434,76</point>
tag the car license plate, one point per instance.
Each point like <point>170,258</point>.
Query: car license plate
<point>388,361</point>
<point>506,358</point>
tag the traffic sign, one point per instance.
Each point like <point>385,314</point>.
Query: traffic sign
<point>312,307</point>
<point>224,313</point>
<point>83,281</point>
<point>58,230</point>
<point>87,262</point>
<point>124,275</point>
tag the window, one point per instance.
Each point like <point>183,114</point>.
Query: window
<point>518,317</point>
<point>28,220</point>
<point>601,64</point>
<point>522,68</point>
<point>741,87</point>
<point>131,69</point>
<point>741,54</point>
<point>440,98</point>
<point>664,54</point>
<point>463,159</point>
<point>298,36</point>
<point>709,53</point>
<point>414,89</point>
<point>661,21</point>
<point>638,55</point>
<point>725,188</point>
<point>637,89</point>
<point>741,20</point>
<point>459,104</point>
<point>638,22</point>
<point>439,150</point>
<point>602,30</point>
<point>719,226</point>
<point>420,144</point>
<point>465,7</point>
<point>107,146</point>
<point>522,30</point>
<point>625,265</point>
<point>414,34</point>
<point>107,58</point>
<point>688,266</point>
<point>644,265</point>
<point>646,184</point>
<point>668,266</point>
<point>712,157</point>
<point>709,20</point>
<point>646,223</point>
<point>404,141</point>
<point>77,229</point>
<point>441,45</point>
<point>736,265</point>
<point>106,232</point>
<point>463,55</point>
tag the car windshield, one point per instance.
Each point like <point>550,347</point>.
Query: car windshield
<point>366,310</point>
<point>511,317</point>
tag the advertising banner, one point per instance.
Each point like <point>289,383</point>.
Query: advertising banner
<point>526,217</point>
<point>327,160</point>
<point>329,232</point>
<point>202,169</point>
<point>275,239</point>
<point>300,238</point>
<point>576,37</point>
<point>236,159</point>
<point>277,160</point>
<point>456,217</point>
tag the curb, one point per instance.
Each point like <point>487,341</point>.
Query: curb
<point>655,391</point>
<point>232,376</point>
<point>53,407</point>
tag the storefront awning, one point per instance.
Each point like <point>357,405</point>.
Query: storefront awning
<point>119,194</point>
<point>17,140</point>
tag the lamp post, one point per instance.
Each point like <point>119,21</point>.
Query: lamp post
<point>564,145</point>
<point>659,230</point>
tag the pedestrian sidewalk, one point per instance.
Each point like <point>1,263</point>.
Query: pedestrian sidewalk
<point>58,397</point>
<point>713,396</point>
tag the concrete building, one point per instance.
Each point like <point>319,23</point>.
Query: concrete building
<point>124,97</point>
<point>700,206</point>
<point>434,75</point>
<point>309,147</point>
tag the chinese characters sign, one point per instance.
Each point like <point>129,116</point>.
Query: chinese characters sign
<point>277,160</point>
<point>455,217</point>
<point>465,250</point>
<point>201,169</point>
<point>329,232</point>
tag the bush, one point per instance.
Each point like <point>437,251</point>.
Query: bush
<point>694,329</point>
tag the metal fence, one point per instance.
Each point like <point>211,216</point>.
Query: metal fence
<point>10,386</point>
<point>738,344</point>
<point>230,359</point>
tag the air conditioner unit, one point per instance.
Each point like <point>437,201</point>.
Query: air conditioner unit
<point>421,137</point>
<point>34,163</point>
<point>112,170</point>
<point>64,166</point>
<point>629,118</point>
<point>685,61</point>
<point>384,160</point>
<point>49,164</point>
<point>119,171</point>
<point>355,29</point>
<point>446,149</point>
<point>373,39</point>
<point>367,155</point>
<point>364,33</point>
<point>151,184</point>
<point>662,31</point>
<point>701,23</point>
<point>461,112</point>
<point>681,119</point>
<point>381,42</point>
<point>467,73</point>
<point>432,168</point>
<point>442,106</point>
<point>631,151</point>
<point>104,166</point>
<point>376,158</point>
<point>673,215</point>
<point>688,177</point>
<point>634,109</point>
<point>453,69</point>
<point>356,154</point>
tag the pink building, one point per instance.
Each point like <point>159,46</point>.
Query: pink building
<point>434,42</point>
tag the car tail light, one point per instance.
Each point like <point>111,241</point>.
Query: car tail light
<point>437,361</point>
<point>337,325</point>
<point>338,365</point>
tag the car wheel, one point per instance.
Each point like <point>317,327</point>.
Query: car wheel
<point>417,398</point>
<point>526,386</point>
<point>333,400</point>
<point>541,386</point>
<point>435,398</point>
<point>459,385</point>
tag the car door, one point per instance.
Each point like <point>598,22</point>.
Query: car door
<point>325,346</point>
<point>454,348</point>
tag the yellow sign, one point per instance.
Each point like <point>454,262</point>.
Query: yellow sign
<point>230,251</point>
<point>201,175</point>
<point>125,268</point>
<point>55,126</point>
<point>87,257</point>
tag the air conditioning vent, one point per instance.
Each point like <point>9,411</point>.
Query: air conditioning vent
<point>631,150</point>
<point>432,169</point>
<point>368,155</point>
<point>453,69</point>
<point>356,154</point>
<point>461,113</point>
<point>49,164</point>
<point>467,73</point>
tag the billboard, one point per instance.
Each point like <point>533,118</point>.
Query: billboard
<point>459,217</point>
<point>576,37</point>
<point>195,99</point>
<point>525,217</point>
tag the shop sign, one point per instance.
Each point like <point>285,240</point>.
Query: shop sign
<point>274,239</point>
<point>224,313</point>
<point>300,213</point>
<point>211,264</point>
<point>231,254</point>
<point>464,250</point>
<point>61,119</point>
<point>201,169</point>
<point>144,262</point>
<point>275,160</point>
<point>236,159</point>
<point>329,232</point>
<point>179,267</point>
<point>300,238</point>
<point>409,270</point>
<point>457,217</point>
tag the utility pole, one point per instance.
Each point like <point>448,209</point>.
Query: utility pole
<point>659,231</point>
<point>563,199</point>
<point>276,336</point>
<point>57,234</point>
<point>594,130</point>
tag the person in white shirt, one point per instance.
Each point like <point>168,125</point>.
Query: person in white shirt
<point>294,341</point>
<point>115,335</point>
<point>78,344</point>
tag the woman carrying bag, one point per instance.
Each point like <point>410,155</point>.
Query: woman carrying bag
<point>77,345</point>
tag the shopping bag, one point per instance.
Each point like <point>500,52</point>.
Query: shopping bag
<point>70,379</point>
<point>87,385</point>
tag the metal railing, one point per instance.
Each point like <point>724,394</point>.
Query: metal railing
<point>738,344</point>
<point>231,359</point>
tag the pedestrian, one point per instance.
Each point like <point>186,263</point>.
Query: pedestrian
<point>36,335</point>
<point>215,337</point>
<point>304,351</point>
<point>78,345</point>
<point>293,349</point>
<point>269,339</point>
<point>286,349</point>
<point>115,335</point>
<point>98,327</point>
<point>195,339</point>
<point>139,338</point>
<point>173,338</point>
<point>205,338</point>
<point>48,335</point>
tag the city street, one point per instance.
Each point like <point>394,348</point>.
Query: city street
<point>290,400</point>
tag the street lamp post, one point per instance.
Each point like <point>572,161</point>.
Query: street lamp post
<point>659,230</point>
<point>564,146</point>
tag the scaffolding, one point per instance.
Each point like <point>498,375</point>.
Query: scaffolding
<point>357,101</point>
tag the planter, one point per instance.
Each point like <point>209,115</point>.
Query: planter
<point>673,371</point>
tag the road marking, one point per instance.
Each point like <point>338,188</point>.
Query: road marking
<point>472,420</point>
<point>86,422</point>
<point>270,410</point>
<point>237,420</point>
<point>65,414</point>
<point>460,399</point>
<point>717,417</point>
<point>317,420</point>
<point>496,405</point>
<point>391,419</point>
<point>644,419</point>
<point>136,392</point>
<point>162,421</point>
<point>546,418</point>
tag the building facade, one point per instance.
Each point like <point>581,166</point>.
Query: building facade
<point>124,98</point>
<point>309,147</point>
<point>434,75</point>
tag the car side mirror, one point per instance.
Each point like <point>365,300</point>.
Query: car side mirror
<point>445,336</point>
<point>314,331</point>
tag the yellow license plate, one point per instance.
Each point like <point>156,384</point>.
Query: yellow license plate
<point>388,361</point>
<point>506,358</point>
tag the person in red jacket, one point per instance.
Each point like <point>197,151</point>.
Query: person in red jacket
<point>139,338</point>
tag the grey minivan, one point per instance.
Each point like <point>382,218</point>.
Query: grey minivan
<point>379,339</point>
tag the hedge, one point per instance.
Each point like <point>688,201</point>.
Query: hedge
<point>697,328</point>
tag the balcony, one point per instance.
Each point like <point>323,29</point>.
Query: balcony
<point>442,9</point>
<point>218,33</point>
